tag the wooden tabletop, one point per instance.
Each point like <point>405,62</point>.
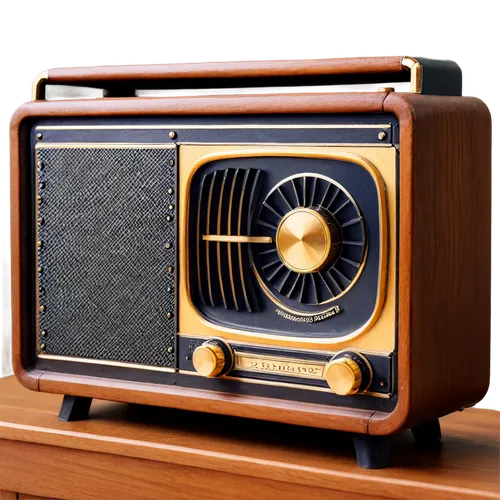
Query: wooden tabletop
<point>140,452</point>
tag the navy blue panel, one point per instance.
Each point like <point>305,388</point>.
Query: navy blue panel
<point>381,365</point>
<point>330,129</point>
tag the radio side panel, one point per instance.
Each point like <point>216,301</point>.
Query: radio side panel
<point>445,257</point>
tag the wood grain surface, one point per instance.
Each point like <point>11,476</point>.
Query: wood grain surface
<point>133,452</point>
<point>250,71</point>
<point>444,257</point>
<point>8,495</point>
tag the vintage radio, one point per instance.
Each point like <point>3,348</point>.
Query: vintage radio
<point>320,259</point>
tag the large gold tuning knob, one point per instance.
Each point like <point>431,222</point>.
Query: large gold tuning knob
<point>344,376</point>
<point>308,240</point>
<point>211,359</point>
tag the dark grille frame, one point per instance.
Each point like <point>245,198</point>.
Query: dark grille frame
<point>124,306</point>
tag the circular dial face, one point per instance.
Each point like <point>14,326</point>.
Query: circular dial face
<point>318,243</point>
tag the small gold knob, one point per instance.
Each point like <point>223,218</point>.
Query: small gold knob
<point>343,376</point>
<point>209,360</point>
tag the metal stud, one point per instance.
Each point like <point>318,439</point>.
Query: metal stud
<point>171,163</point>
<point>41,221</point>
<point>40,165</point>
<point>42,308</point>
<point>39,136</point>
<point>172,134</point>
<point>43,333</point>
<point>170,269</point>
<point>170,289</point>
<point>169,218</point>
<point>170,350</point>
<point>170,207</point>
<point>39,199</point>
<point>39,244</point>
<point>40,270</point>
<point>382,136</point>
<point>41,184</point>
<point>169,315</point>
<point>170,191</point>
<point>385,89</point>
<point>42,346</point>
<point>168,245</point>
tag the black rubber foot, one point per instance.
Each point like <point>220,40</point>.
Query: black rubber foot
<point>428,434</point>
<point>372,452</point>
<point>74,408</point>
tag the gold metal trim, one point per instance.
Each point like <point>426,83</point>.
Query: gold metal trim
<point>377,334</point>
<point>263,144</point>
<point>104,145</point>
<point>416,74</point>
<point>285,384</point>
<point>207,250</point>
<point>229,249</point>
<point>219,221</point>
<point>295,144</point>
<point>233,238</point>
<point>293,367</point>
<point>240,254</point>
<point>120,364</point>
<point>38,86</point>
<point>210,127</point>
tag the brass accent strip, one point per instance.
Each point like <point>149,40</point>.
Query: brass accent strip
<point>138,145</point>
<point>38,86</point>
<point>295,144</point>
<point>120,364</point>
<point>198,242</point>
<point>233,238</point>
<point>209,127</point>
<point>283,366</point>
<point>104,145</point>
<point>285,384</point>
<point>416,74</point>
<point>207,244</point>
<point>219,216</point>
<point>229,249</point>
<point>240,255</point>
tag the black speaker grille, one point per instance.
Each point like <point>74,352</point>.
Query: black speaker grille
<point>106,277</point>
